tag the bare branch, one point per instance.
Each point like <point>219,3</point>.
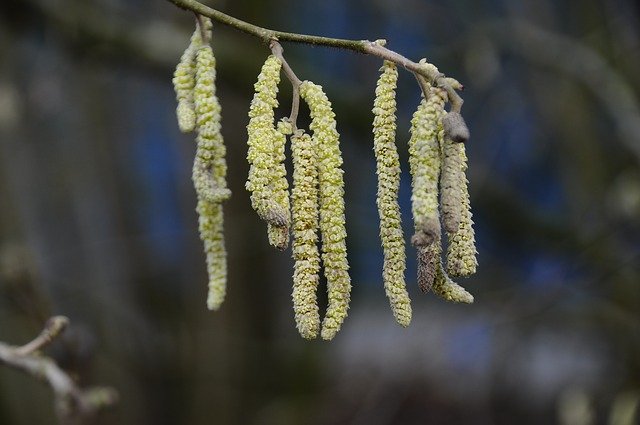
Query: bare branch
<point>373,48</point>
<point>52,329</point>
<point>73,405</point>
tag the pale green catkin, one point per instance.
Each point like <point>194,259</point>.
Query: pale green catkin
<point>451,178</point>
<point>304,201</point>
<point>279,234</point>
<point>211,226</point>
<point>461,252</point>
<point>264,143</point>
<point>209,175</point>
<point>332,218</point>
<point>424,164</point>
<point>209,166</point>
<point>388,170</point>
<point>184,80</point>
<point>446,288</point>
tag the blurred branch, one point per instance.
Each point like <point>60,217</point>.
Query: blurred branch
<point>582,63</point>
<point>155,43</point>
<point>73,405</point>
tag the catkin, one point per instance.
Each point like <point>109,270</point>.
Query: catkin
<point>209,175</point>
<point>388,170</point>
<point>304,200</point>
<point>446,288</point>
<point>451,179</point>
<point>424,164</point>
<point>211,227</point>
<point>461,252</point>
<point>267,176</point>
<point>184,79</point>
<point>279,234</point>
<point>332,218</point>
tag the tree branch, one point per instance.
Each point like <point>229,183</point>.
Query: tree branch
<point>361,46</point>
<point>73,405</point>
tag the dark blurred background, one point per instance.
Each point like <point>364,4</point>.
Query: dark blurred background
<point>97,218</point>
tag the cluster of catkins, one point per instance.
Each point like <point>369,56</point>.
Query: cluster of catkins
<point>312,212</point>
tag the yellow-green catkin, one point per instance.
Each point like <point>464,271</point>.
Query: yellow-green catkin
<point>388,170</point>
<point>211,226</point>
<point>184,79</point>
<point>304,202</point>
<point>209,167</point>
<point>267,176</point>
<point>461,251</point>
<point>424,162</point>
<point>279,234</point>
<point>332,218</point>
<point>209,175</point>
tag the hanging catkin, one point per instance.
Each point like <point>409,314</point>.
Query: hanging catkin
<point>461,251</point>
<point>453,171</point>
<point>388,170</point>
<point>209,175</point>
<point>279,234</point>
<point>332,219</point>
<point>184,79</point>
<point>446,288</point>
<point>424,162</point>
<point>267,180</point>
<point>304,201</point>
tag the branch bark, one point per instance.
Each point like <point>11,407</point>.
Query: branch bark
<point>361,46</point>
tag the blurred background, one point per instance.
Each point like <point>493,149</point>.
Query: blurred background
<point>97,218</point>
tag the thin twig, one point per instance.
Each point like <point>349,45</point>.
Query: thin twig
<point>424,85</point>
<point>203,28</point>
<point>73,405</point>
<point>362,46</point>
<point>277,50</point>
<point>52,329</point>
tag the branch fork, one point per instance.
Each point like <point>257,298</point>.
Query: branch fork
<point>73,405</point>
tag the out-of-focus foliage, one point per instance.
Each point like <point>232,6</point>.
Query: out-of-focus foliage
<point>97,217</point>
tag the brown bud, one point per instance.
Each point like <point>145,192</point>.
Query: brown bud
<point>455,128</point>
<point>427,263</point>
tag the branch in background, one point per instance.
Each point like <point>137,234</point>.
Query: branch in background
<point>73,405</point>
<point>361,46</point>
<point>581,63</point>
